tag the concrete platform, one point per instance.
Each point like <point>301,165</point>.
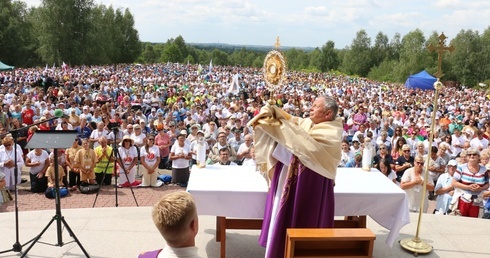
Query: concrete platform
<point>126,231</point>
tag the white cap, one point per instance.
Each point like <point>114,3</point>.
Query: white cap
<point>452,163</point>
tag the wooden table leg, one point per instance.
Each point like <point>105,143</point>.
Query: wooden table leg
<point>218,228</point>
<point>223,223</point>
<point>221,234</point>
<point>362,222</point>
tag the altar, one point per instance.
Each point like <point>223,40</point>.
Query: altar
<point>240,192</point>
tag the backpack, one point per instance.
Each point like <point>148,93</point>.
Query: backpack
<point>51,192</point>
<point>165,178</point>
<point>86,188</point>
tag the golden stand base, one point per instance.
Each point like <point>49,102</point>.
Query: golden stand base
<point>416,245</point>
<point>201,165</point>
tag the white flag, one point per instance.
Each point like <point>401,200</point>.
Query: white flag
<point>211,66</point>
<point>234,86</point>
<point>199,69</point>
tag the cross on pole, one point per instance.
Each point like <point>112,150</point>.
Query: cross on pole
<point>277,44</point>
<point>440,49</point>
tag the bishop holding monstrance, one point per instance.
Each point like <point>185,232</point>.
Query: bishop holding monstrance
<point>302,155</point>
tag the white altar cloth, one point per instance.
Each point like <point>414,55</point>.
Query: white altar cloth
<point>240,192</point>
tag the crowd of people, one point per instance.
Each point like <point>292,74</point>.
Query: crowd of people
<point>161,111</point>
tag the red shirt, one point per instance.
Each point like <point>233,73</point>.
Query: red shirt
<point>44,127</point>
<point>27,116</point>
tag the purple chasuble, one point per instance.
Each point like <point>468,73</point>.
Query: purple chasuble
<point>307,202</point>
<point>150,254</point>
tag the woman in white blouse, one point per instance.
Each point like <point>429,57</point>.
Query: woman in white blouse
<point>150,158</point>
<point>38,161</point>
<point>412,182</point>
<point>180,154</point>
<point>128,159</point>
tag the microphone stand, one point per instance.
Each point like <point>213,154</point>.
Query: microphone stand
<point>17,247</point>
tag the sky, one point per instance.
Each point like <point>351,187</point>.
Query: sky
<point>298,23</point>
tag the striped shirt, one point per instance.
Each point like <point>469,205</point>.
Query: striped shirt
<point>464,176</point>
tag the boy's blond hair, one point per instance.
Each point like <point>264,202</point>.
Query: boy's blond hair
<point>173,215</point>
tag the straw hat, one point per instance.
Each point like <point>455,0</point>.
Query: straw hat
<point>127,137</point>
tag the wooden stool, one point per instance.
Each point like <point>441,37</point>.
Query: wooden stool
<point>329,242</point>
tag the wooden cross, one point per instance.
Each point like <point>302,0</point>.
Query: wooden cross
<point>440,49</point>
<point>277,44</point>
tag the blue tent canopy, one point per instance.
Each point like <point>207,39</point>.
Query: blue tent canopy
<point>422,80</point>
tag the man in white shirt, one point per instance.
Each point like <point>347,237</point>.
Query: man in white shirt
<point>479,142</point>
<point>9,96</point>
<point>97,134</point>
<point>457,141</point>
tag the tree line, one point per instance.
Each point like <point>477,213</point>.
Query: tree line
<point>388,60</point>
<point>78,32</point>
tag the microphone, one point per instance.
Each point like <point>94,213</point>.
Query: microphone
<point>58,113</point>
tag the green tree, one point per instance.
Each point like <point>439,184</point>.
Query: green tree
<point>219,57</point>
<point>130,45</point>
<point>414,55</point>
<point>315,58</point>
<point>296,59</point>
<point>357,59</point>
<point>149,54</point>
<point>101,49</point>
<point>329,59</point>
<point>380,49</point>
<point>180,44</point>
<point>395,47</point>
<point>237,55</point>
<point>203,56</point>
<point>483,65</point>
<point>242,57</point>
<point>17,43</point>
<point>291,56</point>
<point>172,54</point>
<point>384,72</point>
<point>259,61</point>
<point>63,30</point>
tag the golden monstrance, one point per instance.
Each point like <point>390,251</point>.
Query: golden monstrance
<point>274,71</point>
<point>274,76</point>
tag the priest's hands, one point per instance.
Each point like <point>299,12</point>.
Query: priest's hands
<point>9,163</point>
